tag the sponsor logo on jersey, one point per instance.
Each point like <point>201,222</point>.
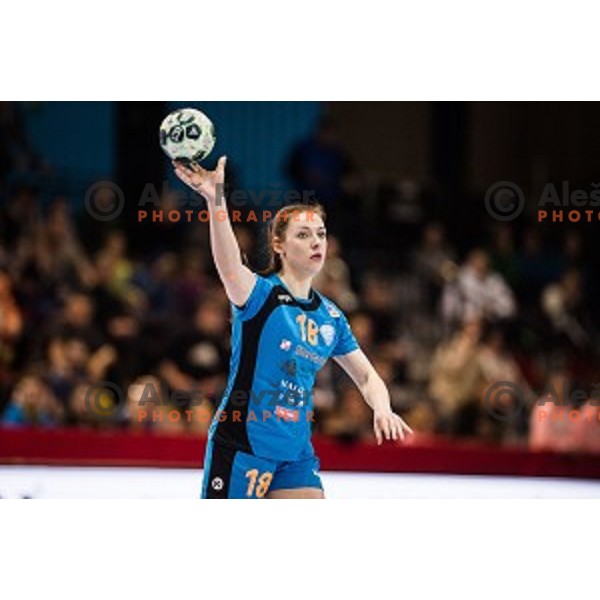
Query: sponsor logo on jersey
<point>293,368</point>
<point>293,387</point>
<point>309,355</point>
<point>290,367</point>
<point>287,414</point>
<point>285,345</point>
<point>333,311</point>
<point>292,393</point>
<point>217,484</point>
<point>284,298</point>
<point>327,333</point>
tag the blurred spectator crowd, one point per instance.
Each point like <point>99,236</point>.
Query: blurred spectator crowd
<point>79,306</point>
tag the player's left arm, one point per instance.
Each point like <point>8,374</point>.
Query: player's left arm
<point>386,423</point>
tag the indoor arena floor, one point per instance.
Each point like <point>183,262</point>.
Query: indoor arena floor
<point>123,482</point>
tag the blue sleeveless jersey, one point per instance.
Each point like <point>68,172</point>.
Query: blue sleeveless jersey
<point>279,343</point>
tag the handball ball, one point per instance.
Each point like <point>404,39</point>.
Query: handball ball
<point>187,135</point>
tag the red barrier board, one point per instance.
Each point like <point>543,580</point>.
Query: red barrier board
<point>109,448</point>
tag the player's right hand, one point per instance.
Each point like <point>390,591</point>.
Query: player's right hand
<point>208,183</point>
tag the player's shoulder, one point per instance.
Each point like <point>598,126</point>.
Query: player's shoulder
<point>265,279</point>
<point>270,285</point>
<point>260,292</point>
<point>270,281</point>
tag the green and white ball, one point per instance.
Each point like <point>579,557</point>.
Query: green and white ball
<point>187,134</point>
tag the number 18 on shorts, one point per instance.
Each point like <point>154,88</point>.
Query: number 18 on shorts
<point>230,473</point>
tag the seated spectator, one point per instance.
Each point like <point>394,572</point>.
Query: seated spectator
<point>114,266</point>
<point>552,424</point>
<point>32,404</point>
<point>498,365</point>
<point>197,356</point>
<point>148,407</point>
<point>65,363</point>
<point>11,321</point>
<point>77,319</point>
<point>97,406</point>
<point>537,266</point>
<point>379,301</point>
<point>562,303</point>
<point>566,418</point>
<point>89,406</point>
<point>190,285</point>
<point>503,255</point>
<point>157,281</point>
<point>131,355</point>
<point>457,381</point>
<point>477,292</point>
<point>432,259</point>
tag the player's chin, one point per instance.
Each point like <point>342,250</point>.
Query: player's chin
<point>314,266</point>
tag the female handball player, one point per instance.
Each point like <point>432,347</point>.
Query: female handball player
<point>283,332</point>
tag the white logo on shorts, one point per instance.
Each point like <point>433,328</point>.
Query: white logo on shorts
<point>217,484</point>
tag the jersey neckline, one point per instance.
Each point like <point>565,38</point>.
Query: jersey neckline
<point>311,302</point>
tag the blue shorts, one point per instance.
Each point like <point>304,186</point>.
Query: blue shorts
<point>230,473</point>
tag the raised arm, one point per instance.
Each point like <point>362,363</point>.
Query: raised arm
<point>385,422</point>
<point>236,277</point>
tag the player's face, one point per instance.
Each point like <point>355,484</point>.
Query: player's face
<point>305,243</point>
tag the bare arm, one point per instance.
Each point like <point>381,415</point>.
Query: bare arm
<point>385,422</point>
<point>236,277</point>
